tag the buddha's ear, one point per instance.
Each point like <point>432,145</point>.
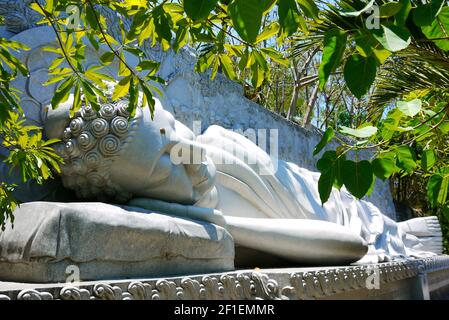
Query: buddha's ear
<point>57,120</point>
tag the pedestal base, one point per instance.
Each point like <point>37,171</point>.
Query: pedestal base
<point>397,280</point>
<point>51,242</point>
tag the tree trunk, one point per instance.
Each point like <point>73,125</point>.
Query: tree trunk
<point>298,76</point>
<point>295,93</point>
<point>309,111</point>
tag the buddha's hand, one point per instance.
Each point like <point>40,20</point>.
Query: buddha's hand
<point>180,210</point>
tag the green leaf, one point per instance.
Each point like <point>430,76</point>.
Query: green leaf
<point>57,78</point>
<point>381,55</point>
<point>257,75</point>
<point>424,15</point>
<point>62,92</point>
<point>392,38</point>
<point>97,77</point>
<point>383,168</point>
<point>365,43</point>
<point>371,188</point>
<point>439,29</point>
<point>148,96</point>
<point>76,97</point>
<point>107,57</point>
<point>364,132</point>
<point>121,88</point>
<point>444,127</point>
<point>405,158</point>
<point>228,67</point>
<point>12,61</point>
<point>268,32</point>
<point>327,136</point>
<point>357,177</point>
<point>360,73</point>
<point>214,68</point>
<point>321,164</point>
<point>246,18</point>
<point>288,16</point>
<point>135,51</point>
<point>182,36</point>
<point>325,184</point>
<point>149,65</point>
<point>309,8</point>
<point>338,183</point>
<point>93,41</point>
<point>330,161</point>
<point>91,18</point>
<point>358,13</point>
<point>55,63</point>
<point>235,50</point>
<point>444,188</point>
<point>37,8</point>
<point>123,71</point>
<point>49,5</point>
<point>334,47</point>
<point>276,56</point>
<point>433,189</point>
<point>428,160</point>
<point>390,9</point>
<point>162,27</point>
<point>445,211</point>
<point>327,178</point>
<point>199,9</point>
<point>133,97</point>
<point>90,95</point>
<point>410,108</point>
<point>403,14</point>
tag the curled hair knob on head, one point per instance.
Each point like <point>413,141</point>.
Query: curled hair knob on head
<point>86,141</point>
<point>108,112</point>
<point>76,126</point>
<point>88,113</point>
<point>119,126</point>
<point>90,143</point>
<point>99,127</point>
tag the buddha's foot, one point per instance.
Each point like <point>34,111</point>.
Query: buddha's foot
<point>427,230</point>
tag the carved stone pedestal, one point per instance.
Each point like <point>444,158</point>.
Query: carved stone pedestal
<point>107,242</point>
<point>398,280</point>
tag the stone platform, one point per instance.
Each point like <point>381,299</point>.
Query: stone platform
<point>417,279</point>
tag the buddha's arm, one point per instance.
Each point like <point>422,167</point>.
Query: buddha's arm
<point>301,240</point>
<point>185,211</point>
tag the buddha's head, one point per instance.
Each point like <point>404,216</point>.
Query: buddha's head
<point>110,156</point>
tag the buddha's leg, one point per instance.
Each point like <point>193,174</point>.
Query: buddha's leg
<point>299,240</point>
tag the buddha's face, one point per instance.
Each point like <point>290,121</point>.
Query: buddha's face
<point>145,167</point>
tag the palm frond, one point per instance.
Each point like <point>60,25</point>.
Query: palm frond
<point>421,66</point>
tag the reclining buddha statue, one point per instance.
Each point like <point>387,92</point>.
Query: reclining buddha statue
<point>173,202</point>
<point>224,178</point>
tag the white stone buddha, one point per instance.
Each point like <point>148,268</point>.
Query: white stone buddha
<point>270,207</point>
<point>160,165</point>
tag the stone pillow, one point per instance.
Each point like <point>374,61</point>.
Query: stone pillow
<point>106,242</point>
